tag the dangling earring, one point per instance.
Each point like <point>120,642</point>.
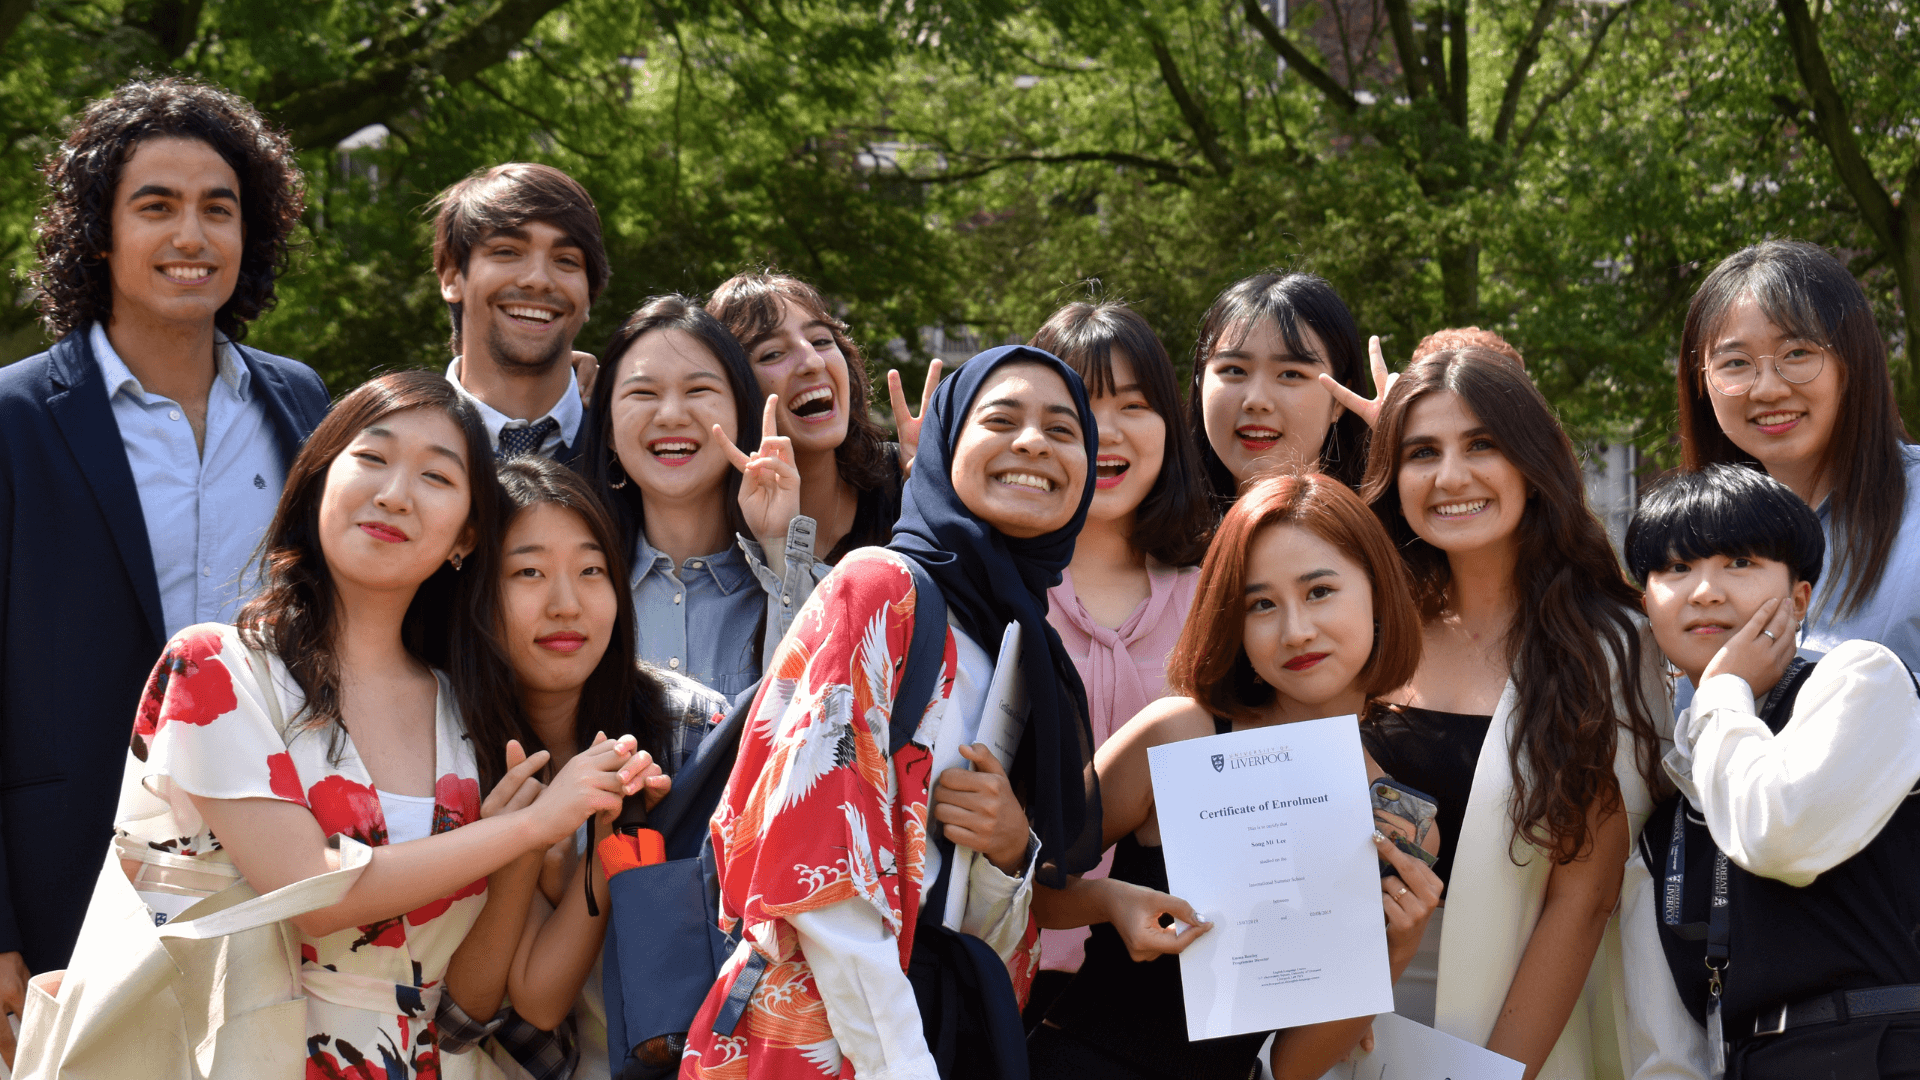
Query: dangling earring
<point>1330,446</point>
<point>622,482</point>
<point>456,560</point>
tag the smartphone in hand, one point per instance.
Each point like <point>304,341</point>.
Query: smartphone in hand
<point>1406,817</point>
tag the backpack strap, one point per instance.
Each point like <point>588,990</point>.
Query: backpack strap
<point>925,653</point>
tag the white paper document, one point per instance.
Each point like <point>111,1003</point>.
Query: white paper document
<point>1406,1049</point>
<point>1002,722</point>
<point>1268,834</point>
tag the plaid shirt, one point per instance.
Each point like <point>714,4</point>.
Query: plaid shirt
<point>692,710</point>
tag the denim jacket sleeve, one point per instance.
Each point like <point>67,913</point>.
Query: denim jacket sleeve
<point>786,595</point>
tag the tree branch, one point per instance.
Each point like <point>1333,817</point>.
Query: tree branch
<point>1298,61</point>
<point>1458,69</point>
<point>1412,66</point>
<point>1834,127</point>
<point>1573,78</point>
<point>546,125</point>
<point>1172,172</point>
<point>1191,110</point>
<point>323,114</point>
<point>1523,62</point>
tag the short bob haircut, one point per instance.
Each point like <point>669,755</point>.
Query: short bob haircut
<point>76,222</point>
<point>508,197</point>
<point>1574,643</point>
<point>621,696</point>
<point>1209,663</point>
<point>1173,520</point>
<point>1726,510</point>
<point>599,462</point>
<point>449,624</point>
<point>749,306</point>
<point>1291,300</point>
<point>1808,293</point>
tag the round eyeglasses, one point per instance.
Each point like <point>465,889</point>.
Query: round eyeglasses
<point>1733,372</point>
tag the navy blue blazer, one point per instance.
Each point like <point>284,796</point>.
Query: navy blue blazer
<point>80,625</point>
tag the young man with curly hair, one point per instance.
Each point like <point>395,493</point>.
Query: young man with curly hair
<point>518,252</point>
<point>141,459</point>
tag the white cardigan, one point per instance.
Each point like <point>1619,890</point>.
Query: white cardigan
<point>1499,886</point>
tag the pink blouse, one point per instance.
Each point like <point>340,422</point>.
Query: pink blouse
<point>1124,670</point>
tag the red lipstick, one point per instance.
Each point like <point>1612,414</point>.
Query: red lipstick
<point>1304,661</point>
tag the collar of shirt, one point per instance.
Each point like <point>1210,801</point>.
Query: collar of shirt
<point>119,378</point>
<point>728,568</point>
<point>566,412</point>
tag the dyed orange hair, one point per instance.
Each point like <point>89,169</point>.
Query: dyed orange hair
<point>1209,663</point>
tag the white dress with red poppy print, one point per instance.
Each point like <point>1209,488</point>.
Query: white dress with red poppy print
<point>819,832</point>
<point>372,991</point>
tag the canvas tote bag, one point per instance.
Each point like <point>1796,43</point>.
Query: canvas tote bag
<point>213,994</point>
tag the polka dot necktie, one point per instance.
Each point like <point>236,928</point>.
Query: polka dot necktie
<point>525,440</point>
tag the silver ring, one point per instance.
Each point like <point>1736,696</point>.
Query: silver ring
<point>1771,637</point>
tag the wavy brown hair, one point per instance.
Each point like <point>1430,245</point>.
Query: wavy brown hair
<point>621,695</point>
<point>1173,521</point>
<point>76,222</point>
<point>1808,293</point>
<point>1574,641</point>
<point>449,623</point>
<point>1209,663</point>
<point>749,306</point>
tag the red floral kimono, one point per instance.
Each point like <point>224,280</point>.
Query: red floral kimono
<point>816,814</point>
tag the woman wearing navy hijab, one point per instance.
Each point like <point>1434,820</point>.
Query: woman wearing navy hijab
<point>821,838</point>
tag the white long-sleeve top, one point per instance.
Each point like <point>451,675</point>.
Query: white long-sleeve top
<point>1789,806</point>
<point>1794,805</point>
<point>856,960</point>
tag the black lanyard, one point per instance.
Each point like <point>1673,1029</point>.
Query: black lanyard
<point>1719,930</point>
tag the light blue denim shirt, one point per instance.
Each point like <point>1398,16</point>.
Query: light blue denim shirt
<point>1891,616</point>
<point>205,511</point>
<point>701,620</point>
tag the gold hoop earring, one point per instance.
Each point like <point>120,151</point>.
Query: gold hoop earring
<point>622,482</point>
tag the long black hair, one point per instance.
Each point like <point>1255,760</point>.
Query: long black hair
<point>1290,299</point>
<point>598,460</point>
<point>449,623</point>
<point>1175,518</point>
<point>621,696</point>
<point>1808,293</point>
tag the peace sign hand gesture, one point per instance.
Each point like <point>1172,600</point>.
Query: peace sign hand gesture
<point>1383,380</point>
<point>769,485</point>
<point>907,425</point>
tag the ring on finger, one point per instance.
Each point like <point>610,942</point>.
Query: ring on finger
<point>1403,891</point>
<point>1771,636</point>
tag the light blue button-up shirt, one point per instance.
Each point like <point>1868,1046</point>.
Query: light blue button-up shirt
<point>205,512</point>
<point>566,413</point>
<point>702,620</point>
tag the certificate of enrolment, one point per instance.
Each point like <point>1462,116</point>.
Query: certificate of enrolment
<point>1268,834</point>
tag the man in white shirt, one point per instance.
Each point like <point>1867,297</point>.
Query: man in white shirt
<point>518,252</point>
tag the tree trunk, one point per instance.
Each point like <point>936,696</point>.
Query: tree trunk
<point>1460,283</point>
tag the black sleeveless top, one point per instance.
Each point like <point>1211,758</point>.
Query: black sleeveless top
<point>1853,928</point>
<point>1135,1012</point>
<point>1433,753</point>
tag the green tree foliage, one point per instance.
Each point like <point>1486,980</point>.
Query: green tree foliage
<point>1562,171</point>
